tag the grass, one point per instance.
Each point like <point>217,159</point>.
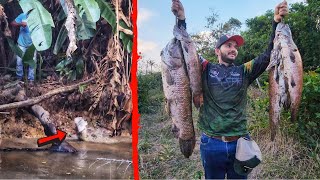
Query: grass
<point>159,153</point>
<point>285,158</point>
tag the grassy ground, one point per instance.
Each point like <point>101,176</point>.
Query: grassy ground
<point>160,157</point>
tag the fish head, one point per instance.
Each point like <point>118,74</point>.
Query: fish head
<point>284,36</point>
<point>172,54</point>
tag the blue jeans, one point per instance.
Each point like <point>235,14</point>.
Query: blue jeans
<point>19,66</point>
<point>218,157</point>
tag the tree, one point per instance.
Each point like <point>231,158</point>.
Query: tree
<point>205,41</point>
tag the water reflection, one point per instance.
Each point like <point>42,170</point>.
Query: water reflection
<point>93,161</point>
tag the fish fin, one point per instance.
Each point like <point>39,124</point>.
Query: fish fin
<point>175,130</point>
<point>167,107</point>
<point>169,78</point>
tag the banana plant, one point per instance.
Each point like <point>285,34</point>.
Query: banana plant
<point>39,22</point>
<point>89,12</point>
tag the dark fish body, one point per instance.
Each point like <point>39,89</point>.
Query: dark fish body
<point>181,77</point>
<point>285,77</point>
<point>50,129</point>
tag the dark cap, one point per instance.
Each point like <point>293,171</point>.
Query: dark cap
<point>225,38</point>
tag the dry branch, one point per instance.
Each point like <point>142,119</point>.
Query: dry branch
<point>38,99</point>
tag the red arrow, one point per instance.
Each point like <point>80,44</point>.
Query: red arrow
<point>59,137</point>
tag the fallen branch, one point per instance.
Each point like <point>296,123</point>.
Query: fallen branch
<point>38,99</point>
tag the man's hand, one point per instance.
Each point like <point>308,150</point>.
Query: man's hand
<point>177,9</point>
<point>280,11</point>
<point>23,24</point>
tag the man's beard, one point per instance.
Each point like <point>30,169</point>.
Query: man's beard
<point>224,58</point>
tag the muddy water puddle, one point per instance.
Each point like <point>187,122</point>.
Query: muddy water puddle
<point>93,161</point>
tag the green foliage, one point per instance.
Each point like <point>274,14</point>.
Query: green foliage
<point>150,92</point>
<point>62,36</point>
<point>258,103</point>
<point>206,42</point>
<point>71,68</point>
<point>28,56</point>
<point>302,21</point>
<point>14,47</point>
<point>107,13</point>
<point>309,114</point>
<point>82,88</point>
<point>39,22</point>
<point>85,28</point>
<point>256,37</point>
<point>90,8</point>
<point>40,67</point>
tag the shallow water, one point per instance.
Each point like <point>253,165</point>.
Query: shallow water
<point>93,161</point>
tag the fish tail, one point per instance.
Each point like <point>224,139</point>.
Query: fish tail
<point>294,113</point>
<point>274,121</point>
<point>187,146</point>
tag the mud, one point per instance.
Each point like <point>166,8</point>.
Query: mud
<point>93,161</point>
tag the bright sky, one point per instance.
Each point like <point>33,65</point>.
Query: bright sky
<point>156,21</point>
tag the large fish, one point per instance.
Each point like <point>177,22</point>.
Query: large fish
<point>285,77</point>
<point>181,77</point>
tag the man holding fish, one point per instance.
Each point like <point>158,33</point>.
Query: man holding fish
<point>222,118</point>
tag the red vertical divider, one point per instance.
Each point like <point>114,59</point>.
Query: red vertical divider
<point>134,89</point>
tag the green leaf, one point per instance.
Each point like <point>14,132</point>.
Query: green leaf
<point>60,66</point>
<point>62,15</point>
<point>28,56</point>
<point>79,66</point>
<point>40,67</point>
<point>129,46</point>
<point>85,28</point>
<point>82,88</point>
<point>14,47</point>
<point>62,36</point>
<point>107,13</point>
<point>90,7</point>
<point>73,75</point>
<point>39,22</point>
<point>126,39</point>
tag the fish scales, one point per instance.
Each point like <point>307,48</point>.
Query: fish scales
<point>191,59</point>
<point>285,77</point>
<point>181,74</point>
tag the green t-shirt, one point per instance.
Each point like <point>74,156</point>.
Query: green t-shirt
<point>223,112</point>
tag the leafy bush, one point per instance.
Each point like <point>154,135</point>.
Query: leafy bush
<point>150,92</point>
<point>308,124</point>
<point>309,114</point>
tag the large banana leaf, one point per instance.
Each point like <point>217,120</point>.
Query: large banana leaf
<point>39,22</point>
<point>90,8</point>
<point>28,56</point>
<point>85,28</point>
<point>107,13</point>
<point>126,39</point>
<point>62,36</point>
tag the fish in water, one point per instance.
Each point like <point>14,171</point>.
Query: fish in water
<point>50,129</point>
<point>285,77</point>
<point>181,77</point>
